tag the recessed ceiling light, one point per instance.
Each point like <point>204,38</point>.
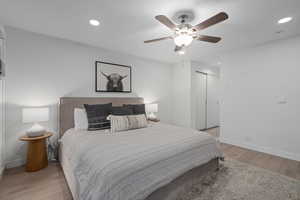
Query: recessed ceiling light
<point>94,22</point>
<point>284,20</point>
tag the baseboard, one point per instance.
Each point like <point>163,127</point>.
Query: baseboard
<point>15,163</point>
<point>268,150</point>
<point>209,128</point>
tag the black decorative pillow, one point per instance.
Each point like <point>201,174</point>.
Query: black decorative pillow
<point>120,110</point>
<point>97,116</point>
<point>136,108</point>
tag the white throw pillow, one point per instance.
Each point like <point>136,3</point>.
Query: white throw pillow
<point>80,119</point>
<point>118,123</point>
<point>137,121</point>
<point>127,122</point>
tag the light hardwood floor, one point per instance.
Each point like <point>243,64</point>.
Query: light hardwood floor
<point>49,183</point>
<point>277,164</point>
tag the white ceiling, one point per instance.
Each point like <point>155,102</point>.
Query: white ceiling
<point>125,24</point>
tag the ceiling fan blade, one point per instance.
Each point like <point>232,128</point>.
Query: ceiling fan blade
<point>158,39</point>
<point>166,21</point>
<point>211,21</point>
<point>207,38</point>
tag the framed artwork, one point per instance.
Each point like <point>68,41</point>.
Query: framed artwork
<point>112,77</point>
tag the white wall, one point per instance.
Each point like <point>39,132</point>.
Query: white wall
<point>42,69</point>
<point>181,94</point>
<point>261,98</point>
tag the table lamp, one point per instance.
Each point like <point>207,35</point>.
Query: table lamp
<point>151,110</point>
<point>35,115</point>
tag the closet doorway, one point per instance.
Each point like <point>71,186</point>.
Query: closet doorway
<point>207,101</point>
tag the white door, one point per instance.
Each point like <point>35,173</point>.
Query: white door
<point>212,101</point>
<point>1,124</point>
<point>200,101</point>
<point>1,108</point>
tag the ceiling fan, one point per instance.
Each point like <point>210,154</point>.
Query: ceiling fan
<point>184,33</point>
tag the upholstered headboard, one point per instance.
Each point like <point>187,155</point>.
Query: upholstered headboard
<point>67,105</point>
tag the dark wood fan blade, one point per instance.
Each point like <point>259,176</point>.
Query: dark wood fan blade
<point>166,21</point>
<point>212,21</point>
<point>207,38</point>
<point>158,39</point>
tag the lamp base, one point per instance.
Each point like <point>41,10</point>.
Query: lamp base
<point>35,131</point>
<point>152,116</point>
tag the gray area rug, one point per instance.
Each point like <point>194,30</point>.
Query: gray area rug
<point>240,181</point>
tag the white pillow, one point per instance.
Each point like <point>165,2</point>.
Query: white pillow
<point>118,123</point>
<point>80,119</point>
<point>137,121</point>
<point>127,122</point>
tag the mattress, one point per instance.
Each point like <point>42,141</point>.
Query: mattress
<point>131,165</point>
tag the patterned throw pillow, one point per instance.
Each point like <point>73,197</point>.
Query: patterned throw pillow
<point>137,121</point>
<point>97,116</point>
<point>121,110</point>
<point>118,123</point>
<point>127,122</point>
<point>136,108</point>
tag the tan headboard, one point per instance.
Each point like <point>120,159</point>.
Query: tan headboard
<point>67,105</point>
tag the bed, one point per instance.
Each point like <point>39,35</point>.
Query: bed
<point>154,163</point>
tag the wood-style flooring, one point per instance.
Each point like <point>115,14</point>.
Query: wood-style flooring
<point>50,184</point>
<point>276,164</point>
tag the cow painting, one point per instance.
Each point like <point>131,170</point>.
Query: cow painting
<point>114,82</point>
<point>112,77</point>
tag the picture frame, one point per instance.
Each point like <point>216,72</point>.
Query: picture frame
<point>111,77</point>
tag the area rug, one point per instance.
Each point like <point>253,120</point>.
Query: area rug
<point>240,181</point>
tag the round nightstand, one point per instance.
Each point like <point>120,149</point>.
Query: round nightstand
<point>154,120</point>
<point>37,152</point>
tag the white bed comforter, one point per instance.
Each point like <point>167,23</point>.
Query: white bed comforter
<point>131,165</point>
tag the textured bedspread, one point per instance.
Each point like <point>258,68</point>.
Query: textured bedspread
<point>131,165</point>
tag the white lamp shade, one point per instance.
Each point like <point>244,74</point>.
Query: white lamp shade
<point>152,108</point>
<point>32,115</point>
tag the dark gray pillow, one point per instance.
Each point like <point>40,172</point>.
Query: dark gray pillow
<point>120,110</point>
<point>136,108</point>
<point>97,116</point>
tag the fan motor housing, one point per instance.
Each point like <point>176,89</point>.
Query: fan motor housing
<point>184,17</point>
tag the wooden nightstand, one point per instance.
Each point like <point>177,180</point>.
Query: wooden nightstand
<point>154,120</point>
<point>37,152</point>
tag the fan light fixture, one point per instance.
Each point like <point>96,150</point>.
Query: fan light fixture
<point>94,22</point>
<point>285,20</point>
<point>181,52</point>
<point>184,33</point>
<point>183,40</point>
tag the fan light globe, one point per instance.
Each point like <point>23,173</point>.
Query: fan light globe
<point>181,52</point>
<point>183,39</point>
